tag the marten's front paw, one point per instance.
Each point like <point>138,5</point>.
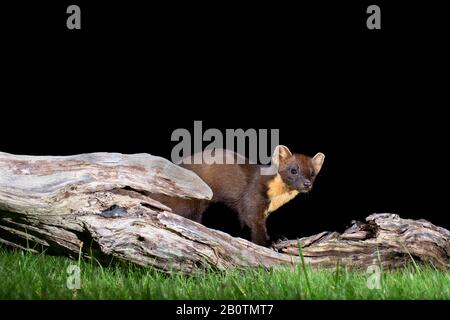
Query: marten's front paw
<point>262,241</point>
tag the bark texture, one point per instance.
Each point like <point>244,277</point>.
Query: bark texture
<point>383,239</point>
<point>100,205</point>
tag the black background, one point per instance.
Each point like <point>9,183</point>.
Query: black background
<point>372,100</point>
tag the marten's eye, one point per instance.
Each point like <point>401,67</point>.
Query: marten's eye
<point>294,171</point>
<point>312,173</point>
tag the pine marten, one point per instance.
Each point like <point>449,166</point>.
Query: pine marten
<point>242,188</point>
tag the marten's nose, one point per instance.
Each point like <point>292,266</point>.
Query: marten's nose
<point>307,184</point>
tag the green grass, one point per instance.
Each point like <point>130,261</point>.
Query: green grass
<point>31,276</point>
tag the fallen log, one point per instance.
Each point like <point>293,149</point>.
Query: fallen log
<point>100,206</point>
<point>384,239</point>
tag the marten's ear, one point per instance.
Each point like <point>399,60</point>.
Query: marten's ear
<point>317,162</point>
<point>281,153</point>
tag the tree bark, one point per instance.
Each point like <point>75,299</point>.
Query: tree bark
<point>384,239</point>
<point>100,206</point>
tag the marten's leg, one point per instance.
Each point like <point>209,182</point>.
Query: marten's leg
<point>259,233</point>
<point>192,209</point>
<point>199,207</point>
<point>254,218</point>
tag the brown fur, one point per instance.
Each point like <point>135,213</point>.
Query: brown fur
<point>242,188</point>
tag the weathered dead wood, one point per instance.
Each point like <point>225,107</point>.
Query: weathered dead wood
<point>59,203</point>
<point>101,204</point>
<point>384,239</point>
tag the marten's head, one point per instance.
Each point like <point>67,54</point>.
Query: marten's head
<point>297,171</point>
